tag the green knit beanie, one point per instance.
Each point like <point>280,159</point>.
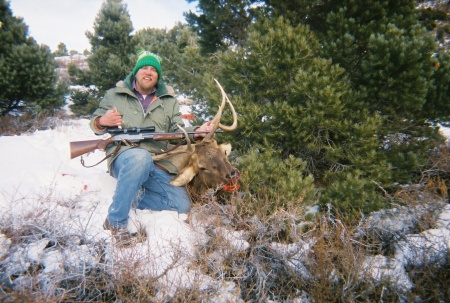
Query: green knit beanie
<point>146,58</point>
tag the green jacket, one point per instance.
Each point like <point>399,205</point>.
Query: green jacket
<point>163,113</point>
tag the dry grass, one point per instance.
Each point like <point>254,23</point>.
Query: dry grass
<point>271,259</point>
<point>28,123</point>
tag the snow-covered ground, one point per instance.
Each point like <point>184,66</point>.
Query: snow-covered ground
<point>37,174</point>
<point>40,183</point>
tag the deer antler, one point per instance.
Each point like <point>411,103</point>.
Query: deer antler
<point>187,150</point>
<point>218,116</point>
<point>190,148</point>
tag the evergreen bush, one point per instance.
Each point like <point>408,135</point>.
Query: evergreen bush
<point>85,102</point>
<point>272,184</point>
<point>352,196</point>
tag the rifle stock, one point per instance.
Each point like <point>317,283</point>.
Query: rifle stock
<point>79,148</point>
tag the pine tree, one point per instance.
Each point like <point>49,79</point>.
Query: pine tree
<point>112,45</point>
<point>183,65</point>
<point>291,99</point>
<point>111,58</point>
<point>358,99</point>
<point>222,23</point>
<point>61,50</point>
<point>437,104</point>
<point>13,30</point>
<point>28,79</point>
<point>388,56</point>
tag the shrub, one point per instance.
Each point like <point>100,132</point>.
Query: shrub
<point>29,122</point>
<point>272,184</point>
<point>84,101</point>
<point>352,196</point>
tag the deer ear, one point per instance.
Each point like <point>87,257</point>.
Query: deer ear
<point>187,173</point>
<point>226,148</point>
<point>184,177</point>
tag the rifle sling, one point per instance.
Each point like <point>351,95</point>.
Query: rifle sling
<point>113,153</point>
<point>171,149</point>
<point>131,144</point>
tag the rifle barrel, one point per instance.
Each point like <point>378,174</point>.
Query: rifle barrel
<point>130,130</point>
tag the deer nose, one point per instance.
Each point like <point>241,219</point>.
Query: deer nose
<point>235,174</point>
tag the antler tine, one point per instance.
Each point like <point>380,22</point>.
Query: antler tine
<point>190,148</point>
<point>233,112</point>
<point>218,116</point>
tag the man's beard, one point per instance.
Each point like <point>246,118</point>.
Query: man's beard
<point>146,85</point>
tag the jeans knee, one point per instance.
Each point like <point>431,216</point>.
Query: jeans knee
<point>136,159</point>
<point>140,156</point>
<point>183,202</point>
<point>184,207</point>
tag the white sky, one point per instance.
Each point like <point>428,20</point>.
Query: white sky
<point>53,21</point>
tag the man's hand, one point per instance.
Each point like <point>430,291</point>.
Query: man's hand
<point>111,118</point>
<point>206,127</point>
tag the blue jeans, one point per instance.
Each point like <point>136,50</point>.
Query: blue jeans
<point>143,185</point>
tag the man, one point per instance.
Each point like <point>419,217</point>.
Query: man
<point>141,100</point>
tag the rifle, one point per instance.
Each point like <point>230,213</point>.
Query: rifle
<point>134,134</point>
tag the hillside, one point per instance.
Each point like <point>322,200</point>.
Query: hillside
<point>53,247</point>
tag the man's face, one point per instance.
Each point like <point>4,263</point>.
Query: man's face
<point>146,79</point>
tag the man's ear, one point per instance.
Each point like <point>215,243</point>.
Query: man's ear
<point>187,173</point>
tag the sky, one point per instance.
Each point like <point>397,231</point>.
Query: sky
<point>53,21</point>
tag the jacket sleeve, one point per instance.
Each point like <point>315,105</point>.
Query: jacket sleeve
<point>105,104</point>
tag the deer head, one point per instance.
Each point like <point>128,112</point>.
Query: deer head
<point>205,164</point>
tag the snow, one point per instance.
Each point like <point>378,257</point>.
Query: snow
<point>39,183</point>
<point>37,170</point>
<point>430,246</point>
<point>445,131</point>
<point>444,218</point>
<point>382,268</point>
